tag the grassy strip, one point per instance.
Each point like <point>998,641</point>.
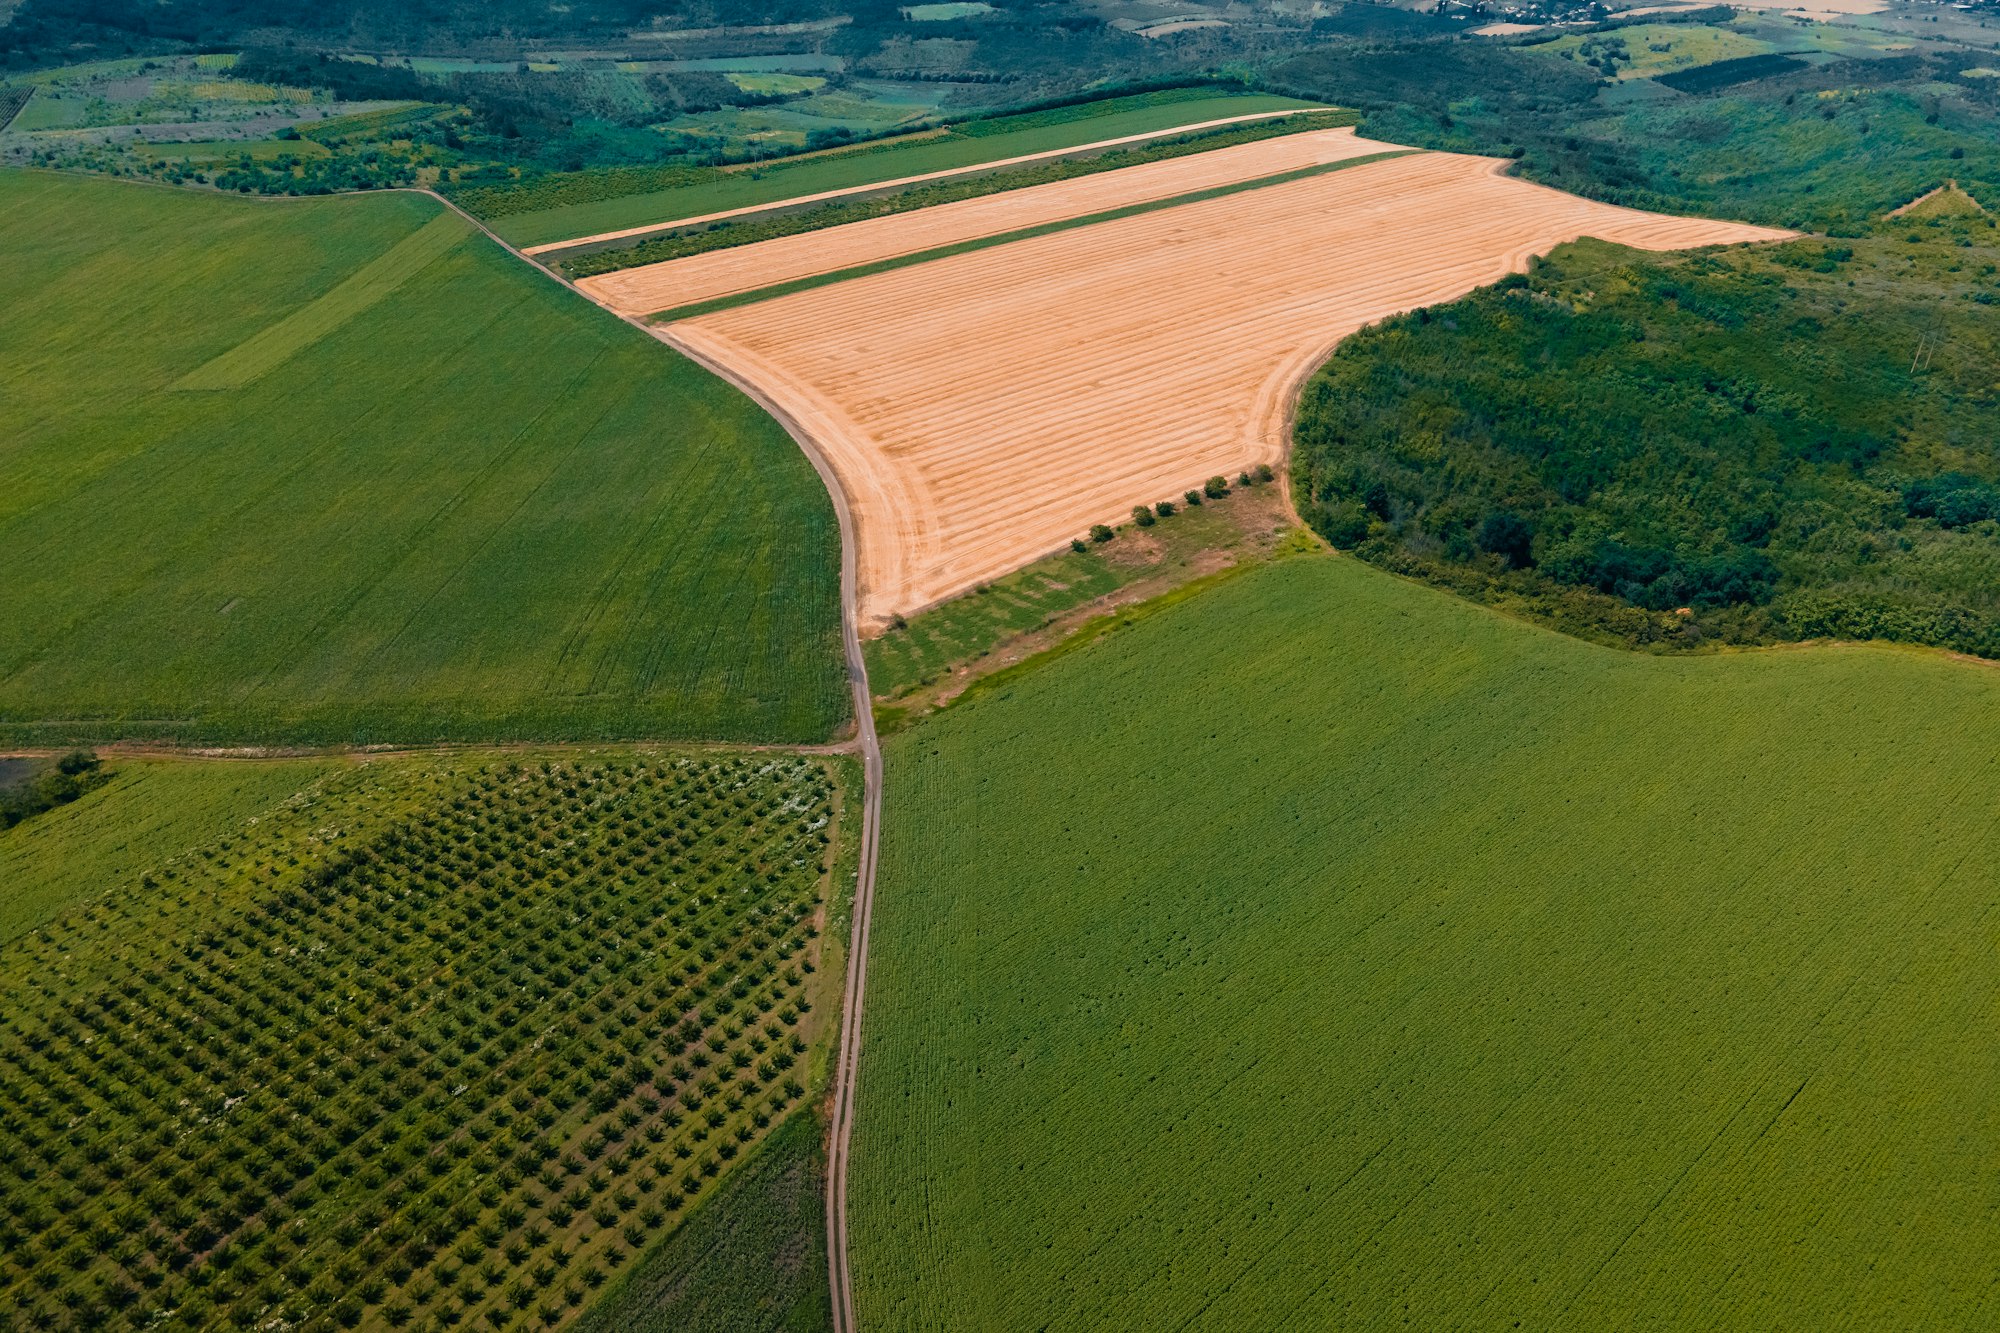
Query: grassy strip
<point>764,227</point>
<point>1092,631</point>
<point>278,343</point>
<point>1007,237</point>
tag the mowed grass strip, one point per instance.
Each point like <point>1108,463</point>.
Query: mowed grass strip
<point>1325,952</point>
<point>478,508</point>
<point>271,347</point>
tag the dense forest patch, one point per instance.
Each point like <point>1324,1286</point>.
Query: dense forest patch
<point>1742,446</point>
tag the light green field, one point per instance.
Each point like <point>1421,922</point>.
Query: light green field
<point>339,470</point>
<point>777,83</point>
<point>962,9</point>
<point>835,171</point>
<point>150,812</point>
<point>1326,952</point>
<point>1662,48</point>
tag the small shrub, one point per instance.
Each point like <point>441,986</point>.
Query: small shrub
<point>1098,533</point>
<point>1216,487</point>
<point>1193,498</point>
<point>1165,509</point>
<point>1142,515</point>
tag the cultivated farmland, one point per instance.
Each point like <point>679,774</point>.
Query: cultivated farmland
<point>704,277</point>
<point>1327,952</point>
<point>338,470</point>
<point>420,1043</point>
<point>984,408</point>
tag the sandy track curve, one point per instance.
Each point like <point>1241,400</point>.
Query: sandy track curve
<point>982,409</point>
<point>704,277</point>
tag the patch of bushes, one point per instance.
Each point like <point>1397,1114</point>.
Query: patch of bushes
<point>1736,446</point>
<point>68,778</point>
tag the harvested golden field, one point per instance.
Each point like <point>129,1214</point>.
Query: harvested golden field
<point>703,277</point>
<point>982,409</point>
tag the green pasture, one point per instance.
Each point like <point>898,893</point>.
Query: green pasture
<point>1077,125</point>
<point>1326,952</point>
<point>148,812</point>
<point>1646,49</point>
<point>317,471</point>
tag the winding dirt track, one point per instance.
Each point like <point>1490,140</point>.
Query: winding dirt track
<point>696,278</point>
<point>982,409</point>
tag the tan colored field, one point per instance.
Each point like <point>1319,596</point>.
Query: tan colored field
<point>703,277</point>
<point>981,410</point>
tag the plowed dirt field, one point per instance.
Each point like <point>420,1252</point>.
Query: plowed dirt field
<point>680,282</point>
<point>983,409</point>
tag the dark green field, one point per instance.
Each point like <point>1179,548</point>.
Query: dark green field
<point>1326,952</point>
<point>341,471</point>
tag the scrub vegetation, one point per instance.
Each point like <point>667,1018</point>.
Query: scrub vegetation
<point>1767,443</point>
<point>425,1043</point>
<point>1451,973</point>
<point>396,487</point>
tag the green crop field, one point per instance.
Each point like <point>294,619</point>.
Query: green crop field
<point>340,470</point>
<point>996,140</point>
<point>415,1042</point>
<point>1327,952</point>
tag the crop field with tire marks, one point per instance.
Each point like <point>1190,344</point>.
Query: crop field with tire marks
<point>1326,952</point>
<point>340,471</point>
<point>985,408</point>
<point>423,1043</point>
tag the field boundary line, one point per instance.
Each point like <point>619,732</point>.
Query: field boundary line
<point>1078,150</point>
<point>807,283</point>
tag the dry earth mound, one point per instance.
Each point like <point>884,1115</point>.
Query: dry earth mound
<point>984,408</point>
